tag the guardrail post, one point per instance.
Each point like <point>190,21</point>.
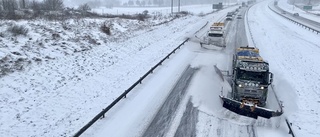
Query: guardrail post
<point>103,114</point>
<point>125,96</point>
<point>290,129</point>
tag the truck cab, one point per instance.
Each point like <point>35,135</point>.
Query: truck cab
<point>215,35</point>
<point>250,83</point>
<point>251,77</point>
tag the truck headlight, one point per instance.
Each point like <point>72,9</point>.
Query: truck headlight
<point>240,85</point>
<point>261,87</point>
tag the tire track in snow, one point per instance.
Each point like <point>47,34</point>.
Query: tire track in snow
<point>162,120</point>
<point>251,131</point>
<point>187,126</point>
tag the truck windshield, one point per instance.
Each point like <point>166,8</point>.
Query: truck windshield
<point>215,35</point>
<point>261,77</point>
<point>215,28</point>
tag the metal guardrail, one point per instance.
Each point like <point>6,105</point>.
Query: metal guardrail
<point>296,22</point>
<point>286,119</point>
<point>290,128</point>
<point>124,94</point>
<point>202,27</point>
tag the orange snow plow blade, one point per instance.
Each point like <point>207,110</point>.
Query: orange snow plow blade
<point>248,110</point>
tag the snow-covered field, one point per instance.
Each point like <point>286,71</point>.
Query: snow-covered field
<point>47,40</point>
<point>291,9</point>
<point>67,88</point>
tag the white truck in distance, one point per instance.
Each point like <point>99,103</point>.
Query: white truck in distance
<point>215,36</point>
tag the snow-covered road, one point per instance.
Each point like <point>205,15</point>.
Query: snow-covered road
<point>293,54</point>
<point>199,103</point>
<point>58,97</point>
<point>270,35</point>
<point>314,24</point>
<point>283,4</point>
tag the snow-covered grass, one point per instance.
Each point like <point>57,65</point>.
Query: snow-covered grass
<point>46,40</point>
<point>80,70</point>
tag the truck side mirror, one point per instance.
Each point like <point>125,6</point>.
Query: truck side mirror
<point>270,78</point>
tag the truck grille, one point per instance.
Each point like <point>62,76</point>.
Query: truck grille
<point>251,93</point>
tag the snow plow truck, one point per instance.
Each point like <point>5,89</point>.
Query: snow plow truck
<point>250,83</point>
<point>215,36</point>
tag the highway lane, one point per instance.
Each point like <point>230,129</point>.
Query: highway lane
<point>192,107</point>
<point>310,23</point>
<point>161,122</point>
<point>194,120</point>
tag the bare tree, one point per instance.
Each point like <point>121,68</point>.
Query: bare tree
<point>24,4</point>
<point>143,3</point>
<point>36,6</point>
<point>1,7</point>
<point>84,7</point>
<point>130,3</point>
<point>9,5</point>
<point>53,5</point>
<point>138,3</point>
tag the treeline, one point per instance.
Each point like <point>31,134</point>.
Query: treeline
<point>167,2</point>
<point>12,5</point>
<point>50,9</point>
<point>15,9</point>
